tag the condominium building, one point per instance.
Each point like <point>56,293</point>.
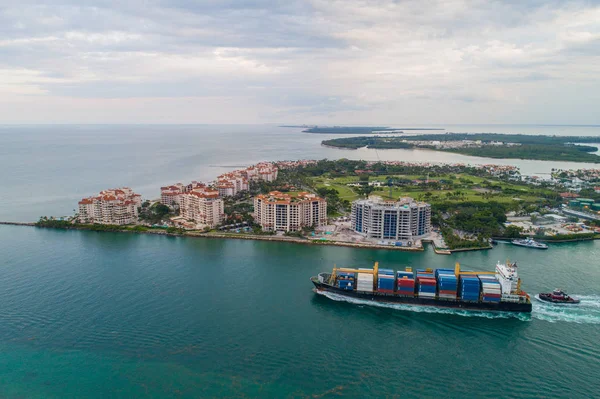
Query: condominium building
<point>202,206</point>
<point>229,184</point>
<point>232,183</point>
<point>402,220</point>
<point>113,206</point>
<point>171,195</point>
<point>261,171</point>
<point>278,211</point>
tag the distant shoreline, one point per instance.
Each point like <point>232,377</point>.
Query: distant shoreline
<point>364,129</point>
<point>483,145</point>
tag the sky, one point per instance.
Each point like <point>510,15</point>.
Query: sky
<point>314,61</point>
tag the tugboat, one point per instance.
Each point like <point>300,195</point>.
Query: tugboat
<point>558,296</point>
<point>529,243</point>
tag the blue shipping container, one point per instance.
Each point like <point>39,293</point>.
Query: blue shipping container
<point>446,272</point>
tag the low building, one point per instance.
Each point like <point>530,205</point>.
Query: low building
<point>402,220</point>
<point>203,207</point>
<point>279,211</point>
<point>568,195</point>
<point>114,206</point>
<point>555,218</point>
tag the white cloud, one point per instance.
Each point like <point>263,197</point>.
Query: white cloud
<point>371,61</point>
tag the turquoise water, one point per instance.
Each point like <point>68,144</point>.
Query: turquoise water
<point>88,314</point>
<point>99,315</point>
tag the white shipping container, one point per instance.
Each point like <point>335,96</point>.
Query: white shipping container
<point>427,294</point>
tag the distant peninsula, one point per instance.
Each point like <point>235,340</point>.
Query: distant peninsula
<point>490,145</point>
<point>359,129</point>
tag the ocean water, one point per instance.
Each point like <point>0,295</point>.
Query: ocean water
<point>99,315</point>
<point>47,169</point>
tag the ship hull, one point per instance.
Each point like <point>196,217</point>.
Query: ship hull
<point>432,302</point>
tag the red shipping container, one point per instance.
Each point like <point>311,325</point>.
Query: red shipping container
<point>386,291</point>
<point>404,282</point>
<point>427,281</point>
<point>492,295</point>
<point>448,292</point>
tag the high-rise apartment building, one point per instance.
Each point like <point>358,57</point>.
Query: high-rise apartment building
<point>202,206</point>
<point>402,220</point>
<point>278,211</point>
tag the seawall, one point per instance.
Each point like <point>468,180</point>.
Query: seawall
<point>237,237</point>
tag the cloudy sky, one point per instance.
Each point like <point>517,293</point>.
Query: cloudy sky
<point>313,61</point>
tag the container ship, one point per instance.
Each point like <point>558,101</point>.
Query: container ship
<point>442,288</point>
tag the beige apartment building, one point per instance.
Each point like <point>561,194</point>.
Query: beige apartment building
<point>171,195</point>
<point>232,183</point>
<point>203,207</point>
<point>278,211</point>
<point>114,206</point>
<point>229,184</point>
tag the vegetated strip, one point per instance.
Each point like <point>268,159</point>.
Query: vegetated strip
<point>507,146</point>
<point>359,129</point>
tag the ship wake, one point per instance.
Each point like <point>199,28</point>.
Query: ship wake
<point>426,309</point>
<point>586,312</point>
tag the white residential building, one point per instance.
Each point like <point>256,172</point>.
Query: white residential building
<point>278,211</point>
<point>114,206</point>
<point>402,220</point>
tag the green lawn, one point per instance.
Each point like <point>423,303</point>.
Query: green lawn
<point>346,192</point>
<point>524,193</point>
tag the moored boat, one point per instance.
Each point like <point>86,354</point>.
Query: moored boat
<point>443,288</point>
<point>558,296</point>
<point>529,243</point>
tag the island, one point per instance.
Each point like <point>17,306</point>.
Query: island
<point>457,207</point>
<point>490,145</point>
<point>360,129</point>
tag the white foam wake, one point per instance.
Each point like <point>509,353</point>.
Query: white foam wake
<point>426,309</point>
<point>586,312</point>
